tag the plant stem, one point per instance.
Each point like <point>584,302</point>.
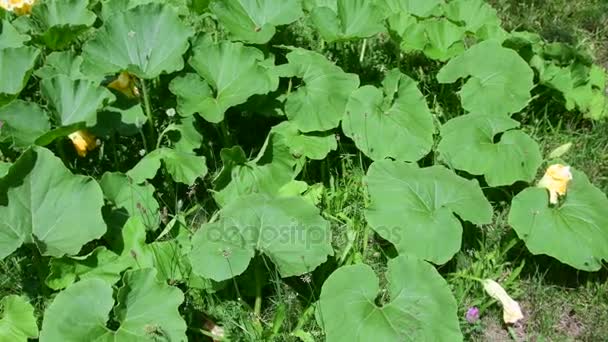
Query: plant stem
<point>257,306</point>
<point>363,48</point>
<point>148,111</point>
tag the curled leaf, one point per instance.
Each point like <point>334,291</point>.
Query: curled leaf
<point>556,180</point>
<point>83,142</point>
<point>511,311</point>
<point>560,150</point>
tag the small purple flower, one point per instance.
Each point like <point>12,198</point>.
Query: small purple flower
<point>472,315</point>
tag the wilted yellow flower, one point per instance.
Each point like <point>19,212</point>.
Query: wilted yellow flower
<point>511,312</point>
<point>83,142</point>
<point>125,83</point>
<point>556,180</point>
<point>20,7</point>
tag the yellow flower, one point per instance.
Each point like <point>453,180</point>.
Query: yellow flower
<point>20,7</point>
<point>556,180</point>
<point>83,142</point>
<point>125,83</point>
<point>511,312</point>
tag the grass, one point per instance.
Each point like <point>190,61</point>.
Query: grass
<point>560,303</point>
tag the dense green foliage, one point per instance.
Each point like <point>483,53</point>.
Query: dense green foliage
<point>123,121</point>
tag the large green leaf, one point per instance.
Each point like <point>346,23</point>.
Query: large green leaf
<point>146,40</point>
<point>420,305</point>
<point>319,104</point>
<point>136,200</point>
<point>43,203</point>
<point>500,80</point>
<point>234,71</point>
<point>289,231</point>
<point>444,39</point>
<point>75,101</point>
<point>23,122</point>
<point>61,21</point>
<point>184,135</point>
<point>125,121</point>
<point>10,37</point>
<point>254,21</point>
<point>131,252</point>
<point>467,143</point>
<point>438,38</point>
<point>64,63</point>
<point>16,65</point>
<point>475,14</point>
<point>274,167</point>
<point>575,232</point>
<point>350,19</point>
<point>193,95</point>
<point>414,208</point>
<point>183,167</point>
<point>395,125</point>
<point>315,145</point>
<point>110,8</point>
<point>147,310</point>
<point>17,320</point>
<point>418,8</point>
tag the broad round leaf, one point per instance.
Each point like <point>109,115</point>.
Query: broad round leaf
<point>75,101</point>
<point>136,200</point>
<point>500,80</point>
<point>146,310</point>
<point>316,145</point>
<point>235,71</point>
<point>420,304</point>
<point>350,19</point>
<point>61,21</point>
<point>23,122</point>
<point>320,103</point>
<point>183,167</point>
<point>414,208</point>
<point>146,40</point>
<point>395,125</point>
<point>467,143</point>
<point>17,320</point>
<point>574,232</point>
<point>254,21</point>
<point>16,65</point>
<point>289,231</point>
<point>49,206</point>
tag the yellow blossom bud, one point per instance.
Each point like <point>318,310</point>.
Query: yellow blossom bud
<point>83,142</point>
<point>511,311</point>
<point>556,180</point>
<point>125,83</point>
<point>19,7</point>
